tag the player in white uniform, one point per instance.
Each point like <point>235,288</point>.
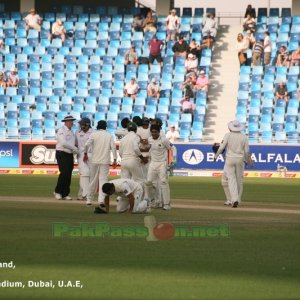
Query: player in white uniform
<point>130,196</point>
<point>159,147</point>
<point>131,156</point>
<point>65,148</point>
<point>82,136</point>
<point>237,152</point>
<point>102,144</point>
<point>121,132</point>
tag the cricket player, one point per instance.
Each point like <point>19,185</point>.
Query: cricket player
<point>131,156</point>
<point>82,136</point>
<point>130,196</point>
<point>121,132</point>
<point>102,145</point>
<point>237,152</point>
<point>159,147</point>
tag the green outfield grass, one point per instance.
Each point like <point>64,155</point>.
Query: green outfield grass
<point>259,260</point>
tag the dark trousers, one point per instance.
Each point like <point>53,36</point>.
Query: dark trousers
<point>65,163</point>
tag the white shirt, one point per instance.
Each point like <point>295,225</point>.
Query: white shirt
<point>125,186</point>
<point>143,133</point>
<point>57,29</point>
<point>159,149</point>
<point>81,139</point>
<point>172,135</point>
<point>131,88</point>
<point>129,146</point>
<point>102,143</point>
<point>241,46</point>
<point>65,140</point>
<point>236,145</point>
<point>172,22</point>
<point>32,20</point>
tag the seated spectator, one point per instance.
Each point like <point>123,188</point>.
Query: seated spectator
<point>137,23</point>
<point>257,53</point>
<point>295,57</point>
<point>58,30</point>
<point>242,49</point>
<point>210,25</point>
<point>3,82</point>
<point>202,82</point>
<point>153,89</point>
<point>249,23</point>
<point>172,135</point>
<point>191,63</point>
<point>131,88</point>
<point>207,42</point>
<point>188,86</point>
<point>33,20</point>
<point>281,91</point>
<point>250,11</point>
<point>131,56</point>
<point>187,105</point>
<point>283,57</point>
<point>13,78</point>
<point>180,48</point>
<point>195,49</point>
<point>155,47</point>
<point>172,24</point>
<point>149,23</point>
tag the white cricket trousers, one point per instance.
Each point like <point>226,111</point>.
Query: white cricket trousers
<point>232,179</point>
<point>98,176</point>
<point>84,179</point>
<point>140,205</point>
<point>158,172</point>
<point>132,169</point>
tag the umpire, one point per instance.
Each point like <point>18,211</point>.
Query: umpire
<point>65,148</point>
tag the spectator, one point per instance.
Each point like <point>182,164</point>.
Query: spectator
<point>131,88</point>
<point>187,106</point>
<point>267,49</point>
<point>58,30</point>
<point>2,48</point>
<point>131,56</point>
<point>257,53</point>
<point>249,39</point>
<point>137,23</point>
<point>189,86</point>
<point>172,135</point>
<point>172,24</point>
<point>191,63</point>
<point>295,58</point>
<point>153,89</point>
<point>13,78</point>
<point>155,47</point>
<point>210,25</point>
<point>33,20</point>
<point>250,11</point>
<point>283,57</point>
<point>195,49</point>
<point>149,23</point>
<point>207,42</point>
<point>3,82</point>
<point>202,82</point>
<point>242,49</point>
<point>281,91</point>
<point>249,24</point>
<point>181,47</point>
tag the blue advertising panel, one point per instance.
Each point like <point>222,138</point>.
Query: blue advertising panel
<point>266,157</point>
<point>9,154</point>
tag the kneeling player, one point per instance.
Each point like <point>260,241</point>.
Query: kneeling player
<point>130,196</point>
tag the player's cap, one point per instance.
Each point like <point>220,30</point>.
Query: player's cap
<point>131,126</point>
<point>68,118</point>
<point>235,126</point>
<point>85,121</point>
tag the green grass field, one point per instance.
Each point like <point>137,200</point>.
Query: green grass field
<point>259,259</point>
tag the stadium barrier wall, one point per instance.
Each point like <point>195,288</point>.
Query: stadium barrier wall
<point>41,155</point>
